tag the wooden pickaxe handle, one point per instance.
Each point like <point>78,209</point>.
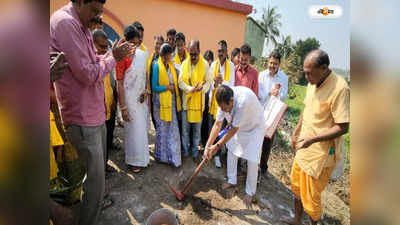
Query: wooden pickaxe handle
<point>196,171</point>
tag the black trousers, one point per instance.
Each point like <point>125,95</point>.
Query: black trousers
<point>152,111</point>
<point>266,150</point>
<point>110,125</point>
<point>205,123</point>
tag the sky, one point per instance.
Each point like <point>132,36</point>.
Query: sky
<point>333,34</point>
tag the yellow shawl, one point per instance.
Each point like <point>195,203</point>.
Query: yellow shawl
<point>142,47</point>
<point>108,96</point>
<point>148,69</point>
<point>194,99</point>
<point>227,77</point>
<point>177,59</point>
<point>55,140</point>
<point>166,96</point>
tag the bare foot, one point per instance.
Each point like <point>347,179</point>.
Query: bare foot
<point>61,215</point>
<point>290,220</point>
<point>248,201</point>
<point>227,185</point>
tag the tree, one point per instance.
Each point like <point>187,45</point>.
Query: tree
<point>291,67</point>
<point>302,48</point>
<point>285,47</point>
<point>271,24</point>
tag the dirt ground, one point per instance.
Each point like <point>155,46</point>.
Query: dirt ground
<point>136,196</point>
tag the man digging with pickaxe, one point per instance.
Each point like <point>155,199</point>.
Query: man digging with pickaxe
<point>244,113</point>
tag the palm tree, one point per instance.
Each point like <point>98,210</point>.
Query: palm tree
<point>271,24</point>
<point>285,47</point>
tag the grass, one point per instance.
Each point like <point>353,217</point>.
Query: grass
<point>295,99</point>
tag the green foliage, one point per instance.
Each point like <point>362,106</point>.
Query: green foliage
<point>302,48</point>
<point>295,105</point>
<point>291,67</point>
<point>261,64</point>
<point>285,47</point>
<point>282,142</point>
<point>271,24</point>
<point>347,147</point>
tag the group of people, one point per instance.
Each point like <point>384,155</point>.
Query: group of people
<point>189,98</point>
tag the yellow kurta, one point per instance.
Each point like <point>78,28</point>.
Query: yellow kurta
<point>312,167</point>
<point>324,106</point>
<point>108,96</point>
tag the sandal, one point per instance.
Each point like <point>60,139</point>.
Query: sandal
<point>135,169</point>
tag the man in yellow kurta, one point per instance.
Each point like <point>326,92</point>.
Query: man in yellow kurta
<point>194,81</point>
<point>318,137</point>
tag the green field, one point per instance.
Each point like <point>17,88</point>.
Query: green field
<point>295,104</point>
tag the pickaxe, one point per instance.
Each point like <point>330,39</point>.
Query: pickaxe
<point>180,195</point>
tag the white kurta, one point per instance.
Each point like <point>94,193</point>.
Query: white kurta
<point>266,83</point>
<point>136,141</point>
<point>247,114</point>
<point>221,69</point>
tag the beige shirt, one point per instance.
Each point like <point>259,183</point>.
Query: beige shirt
<point>185,88</point>
<point>324,107</point>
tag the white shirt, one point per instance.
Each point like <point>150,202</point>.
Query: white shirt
<point>247,114</point>
<point>173,53</point>
<point>229,83</point>
<point>266,83</point>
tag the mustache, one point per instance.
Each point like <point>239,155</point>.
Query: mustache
<point>96,21</point>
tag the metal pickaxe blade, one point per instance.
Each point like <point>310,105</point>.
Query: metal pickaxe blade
<point>181,195</point>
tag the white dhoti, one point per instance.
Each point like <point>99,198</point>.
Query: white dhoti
<point>246,146</point>
<point>252,173</point>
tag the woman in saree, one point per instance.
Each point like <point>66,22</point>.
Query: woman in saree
<point>132,93</point>
<point>167,105</point>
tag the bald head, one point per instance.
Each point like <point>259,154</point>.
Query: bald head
<point>100,41</point>
<point>318,57</point>
<point>194,51</point>
<point>316,66</point>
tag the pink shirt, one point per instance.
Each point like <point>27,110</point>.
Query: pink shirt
<point>247,78</point>
<point>80,91</point>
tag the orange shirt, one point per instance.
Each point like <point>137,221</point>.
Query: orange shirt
<point>247,78</point>
<point>324,107</point>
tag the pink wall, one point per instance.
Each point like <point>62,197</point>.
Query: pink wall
<point>196,21</point>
